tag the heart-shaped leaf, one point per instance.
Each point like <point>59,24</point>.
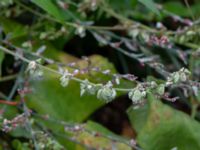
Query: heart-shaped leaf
<point>161,127</point>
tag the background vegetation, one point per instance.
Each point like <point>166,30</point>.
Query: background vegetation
<point>99,74</point>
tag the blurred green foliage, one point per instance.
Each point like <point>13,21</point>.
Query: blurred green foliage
<point>56,26</point>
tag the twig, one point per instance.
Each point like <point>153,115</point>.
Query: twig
<point>7,78</point>
<point>51,70</point>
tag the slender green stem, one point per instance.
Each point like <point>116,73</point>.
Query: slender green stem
<point>75,25</point>
<point>189,9</point>
<point>49,69</point>
<point>190,45</point>
<point>123,19</point>
<point>7,78</point>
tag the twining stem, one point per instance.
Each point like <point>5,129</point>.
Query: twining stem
<point>51,70</point>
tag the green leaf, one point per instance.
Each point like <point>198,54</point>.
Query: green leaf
<point>49,97</point>
<point>176,7</point>
<point>18,145</point>
<point>51,7</point>
<point>164,128</point>
<point>123,6</point>
<point>13,28</point>
<point>138,117</point>
<point>150,5</point>
<point>179,9</point>
<point>105,140</point>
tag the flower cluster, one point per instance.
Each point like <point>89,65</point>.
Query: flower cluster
<point>34,69</point>
<point>104,92</point>
<point>9,125</point>
<point>179,76</point>
<point>64,80</point>
<point>46,142</point>
<point>138,93</point>
<point>107,92</point>
<point>80,30</point>
<point>87,87</point>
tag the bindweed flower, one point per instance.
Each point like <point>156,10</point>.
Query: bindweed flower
<point>107,92</point>
<point>87,87</point>
<point>65,78</point>
<point>137,94</point>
